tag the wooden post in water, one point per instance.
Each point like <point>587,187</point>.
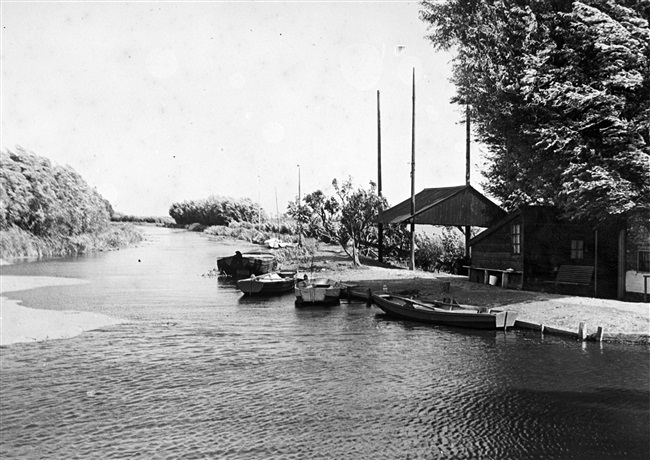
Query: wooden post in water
<point>412,261</point>
<point>582,331</point>
<point>600,333</point>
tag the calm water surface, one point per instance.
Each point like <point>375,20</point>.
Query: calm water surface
<point>199,371</point>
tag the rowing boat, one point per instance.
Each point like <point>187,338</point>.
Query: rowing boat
<point>244,265</point>
<point>269,283</point>
<point>444,314</point>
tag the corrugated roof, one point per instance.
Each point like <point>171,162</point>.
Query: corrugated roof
<point>448,206</point>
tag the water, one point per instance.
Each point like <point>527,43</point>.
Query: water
<point>198,371</point>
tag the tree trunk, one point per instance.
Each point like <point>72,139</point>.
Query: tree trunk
<point>355,254</point>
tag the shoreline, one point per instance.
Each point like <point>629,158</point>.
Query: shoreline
<point>20,324</point>
<point>619,321</point>
<point>626,322</point>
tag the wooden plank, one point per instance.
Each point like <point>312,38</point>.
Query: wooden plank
<point>575,274</point>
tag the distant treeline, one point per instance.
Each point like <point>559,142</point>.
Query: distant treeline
<point>217,210</point>
<point>48,209</point>
<point>158,220</point>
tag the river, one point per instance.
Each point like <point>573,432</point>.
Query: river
<point>200,371</point>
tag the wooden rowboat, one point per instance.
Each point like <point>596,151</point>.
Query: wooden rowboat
<point>244,265</point>
<point>317,291</point>
<point>269,283</point>
<point>444,314</point>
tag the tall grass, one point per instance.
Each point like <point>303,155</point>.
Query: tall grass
<point>15,242</point>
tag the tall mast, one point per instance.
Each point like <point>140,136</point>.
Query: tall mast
<point>299,211</point>
<point>468,229</point>
<point>412,262</point>
<point>380,226</point>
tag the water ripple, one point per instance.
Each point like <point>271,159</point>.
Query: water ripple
<point>199,372</point>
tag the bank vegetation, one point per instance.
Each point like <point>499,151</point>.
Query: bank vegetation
<point>50,210</point>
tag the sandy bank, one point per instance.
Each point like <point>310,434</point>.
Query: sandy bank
<point>23,324</point>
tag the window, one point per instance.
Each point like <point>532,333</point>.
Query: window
<point>643,261</point>
<point>515,236</point>
<point>577,249</point>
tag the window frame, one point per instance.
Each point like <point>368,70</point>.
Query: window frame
<point>515,239</point>
<point>643,259</point>
<point>577,251</point>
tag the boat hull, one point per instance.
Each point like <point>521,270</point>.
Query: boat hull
<point>402,308</point>
<point>317,292</point>
<point>267,284</point>
<point>250,264</point>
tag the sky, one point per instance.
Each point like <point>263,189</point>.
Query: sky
<point>160,102</point>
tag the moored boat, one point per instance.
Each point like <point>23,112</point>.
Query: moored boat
<point>244,265</point>
<point>317,291</point>
<point>444,314</point>
<point>268,283</point>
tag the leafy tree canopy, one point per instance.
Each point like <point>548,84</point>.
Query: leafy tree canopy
<point>559,91</point>
<point>217,210</point>
<point>346,218</point>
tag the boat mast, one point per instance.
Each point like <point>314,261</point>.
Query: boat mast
<point>299,211</point>
<point>412,261</point>
<point>380,226</point>
<point>468,229</point>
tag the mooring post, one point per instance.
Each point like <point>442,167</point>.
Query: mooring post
<point>582,331</point>
<point>599,334</point>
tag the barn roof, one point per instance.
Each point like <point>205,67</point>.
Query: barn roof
<point>448,206</point>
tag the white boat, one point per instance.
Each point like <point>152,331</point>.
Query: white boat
<point>317,291</point>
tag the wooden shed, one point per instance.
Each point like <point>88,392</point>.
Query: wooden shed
<point>448,206</point>
<point>532,248</point>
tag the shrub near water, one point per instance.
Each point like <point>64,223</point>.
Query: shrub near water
<point>47,210</point>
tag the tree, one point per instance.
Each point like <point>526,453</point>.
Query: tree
<point>359,210</point>
<point>316,214</point>
<point>560,93</point>
<point>217,210</point>
<point>347,218</point>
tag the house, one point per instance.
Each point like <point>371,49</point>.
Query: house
<point>533,248</point>
<point>637,260</point>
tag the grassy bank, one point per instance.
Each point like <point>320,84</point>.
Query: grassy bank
<point>15,242</point>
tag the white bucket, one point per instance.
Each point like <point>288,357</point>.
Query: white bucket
<point>493,280</point>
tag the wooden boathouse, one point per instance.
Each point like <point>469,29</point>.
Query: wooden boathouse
<point>458,206</point>
<point>533,248</point>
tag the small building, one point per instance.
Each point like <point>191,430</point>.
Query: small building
<point>457,206</point>
<point>533,248</point>
<point>637,260</point>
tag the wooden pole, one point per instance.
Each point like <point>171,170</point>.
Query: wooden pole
<point>468,231</point>
<point>299,211</point>
<point>380,227</point>
<point>277,209</point>
<point>621,263</point>
<point>467,144</point>
<point>412,261</point>
<point>596,263</point>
